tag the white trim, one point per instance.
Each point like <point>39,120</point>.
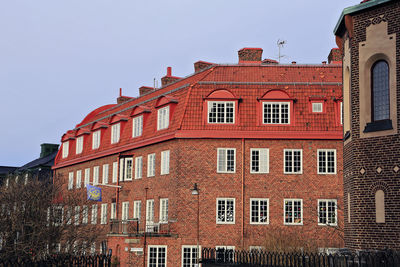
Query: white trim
<point>259,199</point>
<point>163,118</point>
<point>191,259</point>
<point>224,168</point>
<point>137,209</point>
<point>292,163</point>
<point>103,215</point>
<point>326,160</point>
<point>87,176</point>
<point>96,175</point>
<point>336,218</point>
<point>77,215</point>
<point>115,172</point>
<point>138,167</point>
<point>157,247</point>
<point>96,139</point>
<point>113,211</point>
<point>65,149</point>
<point>165,162</point>
<point>115,133</point>
<point>78,183</point>
<point>137,126</point>
<point>128,171</point>
<point>70,180</point>
<point>94,214</point>
<point>125,211</point>
<point>262,152</point>
<point>279,113</point>
<point>301,204</point>
<point>224,117</point>
<point>151,165</point>
<point>234,210</point>
<point>85,214</point>
<point>105,173</point>
<point>79,145</point>
<point>317,107</point>
<point>163,210</point>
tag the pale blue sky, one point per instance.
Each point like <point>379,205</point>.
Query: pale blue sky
<point>61,59</point>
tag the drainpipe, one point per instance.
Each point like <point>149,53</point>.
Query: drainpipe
<point>145,214</point>
<point>243,206</point>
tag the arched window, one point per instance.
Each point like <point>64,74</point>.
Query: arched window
<point>380,90</point>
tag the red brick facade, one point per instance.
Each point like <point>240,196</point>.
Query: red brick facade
<point>193,141</point>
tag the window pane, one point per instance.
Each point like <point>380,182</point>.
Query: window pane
<point>380,90</point>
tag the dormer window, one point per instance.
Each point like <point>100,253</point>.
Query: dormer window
<point>96,139</point>
<point>79,145</point>
<point>137,126</point>
<point>317,107</point>
<point>163,118</point>
<point>276,108</point>
<point>115,133</point>
<point>65,149</point>
<point>221,112</point>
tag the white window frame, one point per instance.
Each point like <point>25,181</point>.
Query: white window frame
<point>157,247</point>
<point>125,169</point>
<point>223,152</point>
<point>70,180</point>
<point>284,211</point>
<point>79,145</point>
<point>105,174</point>
<point>263,160</point>
<point>138,167</point>
<point>96,139</point>
<point>259,209</point>
<point>219,221</point>
<point>151,165</point>
<point>137,206</point>
<point>125,211</point>
<point>94,214</point>
<point>68,216</point>
<point>85,214</point>
<point>78,179</point>
<point>87,176</point>
<point>326,201</point>
<point>292,151</point>
<point>325,151</point>
<point>165,162</point>
<point>56,211</point>
<point>341,112</point>
<point>163,210</point>
<point>280,118</point>
<point>103,216</point>
<point>65,149</point>
<point>113,211</point>
<point>77,215</point>
<point>137,126</point>
<point>115,172</point>
<point>224,116</point>
<point>317,107</point>
<point>192,260</point>
<point>96,174</point>
<point>163,118</point>
<point>115,133</point>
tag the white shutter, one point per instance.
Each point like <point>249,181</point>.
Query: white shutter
<point>105,174</point>
<point>121,169</point>
<point>264,160</point>
<point>221,160</point>
<point>115,172</point>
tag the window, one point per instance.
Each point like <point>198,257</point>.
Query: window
<point>77,214</point>
<point>190,256</point>
<point>105,174</point>
<point>96,170</point>
<point>163,210</point>
<point>380,91</point>
<point>69,215</point>
<point>78,179</point>
<point>276,112</point>
<point>94,214</point>
<point>138,167</point>
<point>125,211</point>
<point>157,256</point>
<point>163,118</point>
<point>65,149</point>
<point>137,123</point>
<point>149,215</point>
<point>115,132</point>
<point>341,112</point>
<point>221,112</point>
<point>85,214</point>
<point>103,218</point>
<point>259,160</point>
<point>96,139</point>
<point>115,172</point>
<point>317,107</point>
<point>226,160</point>
<point>58,213</point>
<point>137,209</point>
<point>259,210</point>
<point>326,161</point>
<point>225,210</point>
<point>225,253</point>
<point>113,214</point>
<point>165,162</point>
<point>293,211</point>
<point>70,180</point>
<point>151,165</point>
<point>327,212</point>
<point>79,145</point>
<point>293,161</point>
<point>87,176</point>
<point>93,248</point>
<point>125,169</point>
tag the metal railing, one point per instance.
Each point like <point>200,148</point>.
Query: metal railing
<point>135,227</point>
<point>212,257</point>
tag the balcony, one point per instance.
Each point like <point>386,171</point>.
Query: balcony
<point>133,227</point>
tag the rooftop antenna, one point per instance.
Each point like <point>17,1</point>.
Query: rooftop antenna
<point>280,44</point>
<point>154,83</point>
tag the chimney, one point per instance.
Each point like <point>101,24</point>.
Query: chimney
<point>250,55</point>
<point>121,98</point>
<point>294,62</point>
<point>269,61</point>
<point>145,90</point>
<point>47,149</point>
<point>335,57</point>
<point>201,65</point>
<point>167,79</point>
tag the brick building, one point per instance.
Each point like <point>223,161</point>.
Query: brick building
<point>368,35</point>
<point>260,141</point>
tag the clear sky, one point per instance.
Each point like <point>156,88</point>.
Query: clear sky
<point>61,59</point>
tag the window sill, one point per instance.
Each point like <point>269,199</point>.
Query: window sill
<point>376,126</point>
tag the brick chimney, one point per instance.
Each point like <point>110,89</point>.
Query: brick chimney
<point>167,79</point>
<point>269,61</point>
<point>201,65</point>
<point>145,89</point>
<point>250,55</point>
<point>121,98</point>
<point>335,57</point>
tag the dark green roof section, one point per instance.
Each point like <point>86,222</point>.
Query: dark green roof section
<point>354,9</point>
